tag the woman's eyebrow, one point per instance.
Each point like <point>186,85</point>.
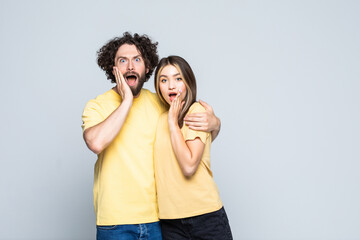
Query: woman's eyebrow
<point>163,75</point>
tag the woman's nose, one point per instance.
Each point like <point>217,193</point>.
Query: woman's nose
<point>171,84</point>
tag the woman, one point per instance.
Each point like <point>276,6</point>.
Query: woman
<point>189,203</point>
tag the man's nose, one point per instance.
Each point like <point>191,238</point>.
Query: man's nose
<point>130,66</point>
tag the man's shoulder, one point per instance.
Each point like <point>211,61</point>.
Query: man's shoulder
<point>107,100</point>
<point>148,94</point>
<point>154,99</point>
<point>107,96</point>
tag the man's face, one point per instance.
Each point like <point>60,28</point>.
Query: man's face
<point>132,66</point>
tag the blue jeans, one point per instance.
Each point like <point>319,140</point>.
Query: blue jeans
<point>146,231</point>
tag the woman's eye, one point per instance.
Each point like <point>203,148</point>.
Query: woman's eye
<point>163,80</point>
<point>178,79</point>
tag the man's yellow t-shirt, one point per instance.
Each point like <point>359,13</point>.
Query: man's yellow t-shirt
<point>124,182</point>
<point>179,196</point>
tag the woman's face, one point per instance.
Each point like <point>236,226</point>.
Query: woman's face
<point>171,83</point>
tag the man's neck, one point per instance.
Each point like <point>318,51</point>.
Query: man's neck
<point>116,90</point>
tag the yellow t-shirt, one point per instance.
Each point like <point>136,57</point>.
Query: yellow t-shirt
<point>179,196</point>
<point>124,182</point>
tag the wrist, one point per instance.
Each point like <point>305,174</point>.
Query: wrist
<point>218,124</point>
<point>127,101</point>
<point>173,124</point>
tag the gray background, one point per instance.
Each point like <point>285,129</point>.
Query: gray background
<point>283,76</point>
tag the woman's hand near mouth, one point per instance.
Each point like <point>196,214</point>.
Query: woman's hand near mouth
<point>174,111</point>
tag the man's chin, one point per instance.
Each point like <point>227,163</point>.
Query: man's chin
<point>136,89</point>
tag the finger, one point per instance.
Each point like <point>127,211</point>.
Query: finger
<point>194,118</point>
<point>205,105</point>
<point>121,77</point>
<point>197,115</point>
<point>178,95</point>
<point>177,99</point>
<point>118,78</point>
<point>180,102</point>
<point>197,128</point>
<point>195,124</point>
<point>173,103</point>
<point>177,104</point>
<point>115,75</point>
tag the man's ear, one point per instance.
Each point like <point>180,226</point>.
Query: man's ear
<point>147,70</point>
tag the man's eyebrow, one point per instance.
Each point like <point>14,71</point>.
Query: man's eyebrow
<point>137,56</point>
<point>120,57</point>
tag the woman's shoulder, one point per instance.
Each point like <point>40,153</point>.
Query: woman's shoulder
<point>196,107</point>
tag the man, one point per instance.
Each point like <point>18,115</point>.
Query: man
<point>119,126</point>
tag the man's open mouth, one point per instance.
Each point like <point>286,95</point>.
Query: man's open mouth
<point>131,79</point>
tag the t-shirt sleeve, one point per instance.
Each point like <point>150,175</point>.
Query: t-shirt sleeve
<point>190,134</point>
<point>91,115</point>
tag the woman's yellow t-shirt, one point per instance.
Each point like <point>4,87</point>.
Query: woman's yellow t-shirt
<point>179,196</point>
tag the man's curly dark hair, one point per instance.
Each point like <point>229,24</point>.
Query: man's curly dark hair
<point>148,50</point>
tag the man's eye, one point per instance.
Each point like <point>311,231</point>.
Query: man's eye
<point>122,60</point>
<point>137,59</point>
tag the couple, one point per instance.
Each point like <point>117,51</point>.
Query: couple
<point>140,136</point>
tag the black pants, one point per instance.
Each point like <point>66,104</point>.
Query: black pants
<point>214,225</point>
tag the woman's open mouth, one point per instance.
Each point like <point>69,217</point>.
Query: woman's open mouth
<point>172,96</point>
